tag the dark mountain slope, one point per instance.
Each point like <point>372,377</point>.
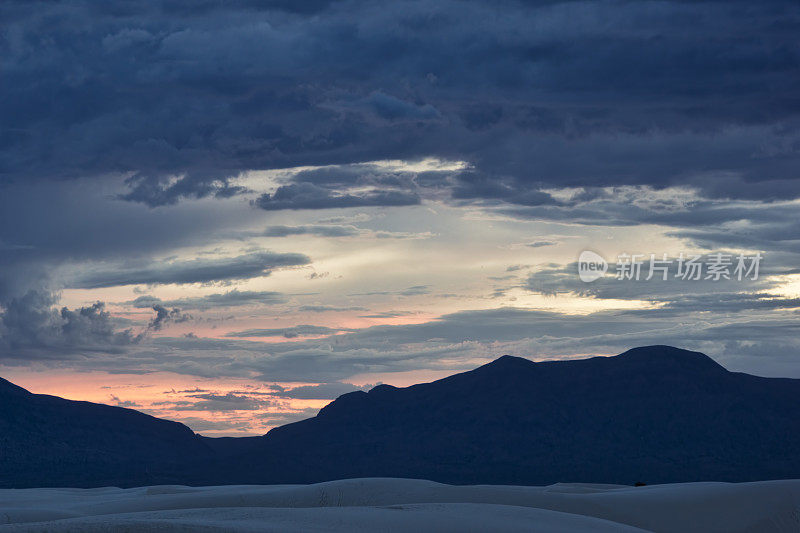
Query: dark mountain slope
<point>50,441</point>
<point>656,414</point>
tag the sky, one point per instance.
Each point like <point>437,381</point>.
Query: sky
<point>230,213</point>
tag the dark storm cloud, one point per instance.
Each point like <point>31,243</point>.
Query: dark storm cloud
<point>474,186</point>
<point>175,99</point>
<point>245,266</point>
<point>342,186</point>
<point>310,196</point>
<point>780,235</point>
<point>181,97</point>
<point>149,189</point>
<point>707,223</point>
<point>391,108</point>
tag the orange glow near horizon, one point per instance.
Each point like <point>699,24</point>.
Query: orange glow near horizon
<point>176,397</point>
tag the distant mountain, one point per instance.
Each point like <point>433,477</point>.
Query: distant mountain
<point>50,441</point>
<point>654,414</point>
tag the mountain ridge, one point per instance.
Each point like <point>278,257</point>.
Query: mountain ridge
<point>654,413</point>
<point>671,413</point>
<point>49,441</point>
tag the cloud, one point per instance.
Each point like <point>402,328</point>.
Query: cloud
<point>283,418</point>
<point>683,212</point>
<point>473,185</point>
<point>289,333</point>
<point>322,391</point>
<point>316,230</point>
<point>123,403</point>
<point>564,279</point>
<point>165,316</point>
<point>416,290</point>
<point>32,328</point>
<point>80,230</point>
<point>754,335</point>
<point>328,308</point>
<point>390,314</point>
<point>549,93</point>
<point>126,132</point>
<point>310,196</point>
<point>232,298</point>
<point>219,402</point>
<point>202,425</point>
<point>392,108</point>
<point>151,191</point>
<point>229,401</point>
<point>251,265</point>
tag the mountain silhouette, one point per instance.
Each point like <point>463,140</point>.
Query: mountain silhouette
<point>50,441</point>
<point>654,414</point>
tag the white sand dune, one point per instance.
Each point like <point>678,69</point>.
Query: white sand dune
<point>378,504</point>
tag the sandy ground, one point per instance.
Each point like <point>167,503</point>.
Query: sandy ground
<point>408,505</point>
